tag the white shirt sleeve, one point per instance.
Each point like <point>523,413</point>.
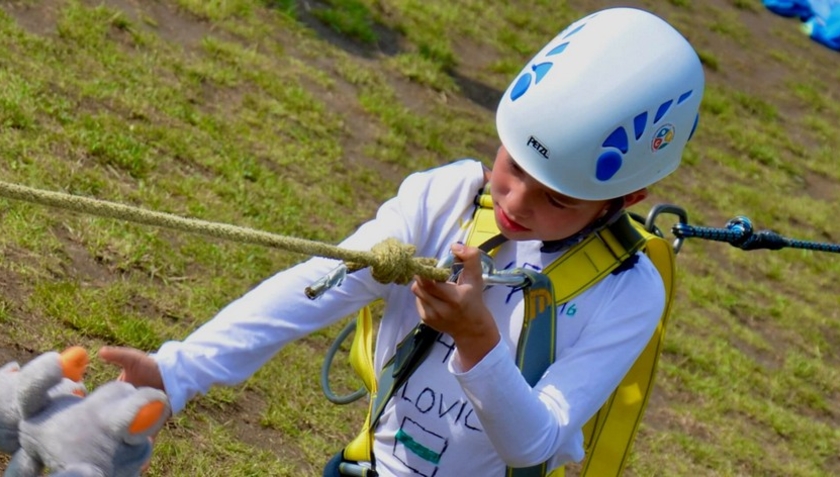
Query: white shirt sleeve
<point>548,418</point>
<point>249,331</point>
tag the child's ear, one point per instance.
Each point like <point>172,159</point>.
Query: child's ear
<point>635,197</point>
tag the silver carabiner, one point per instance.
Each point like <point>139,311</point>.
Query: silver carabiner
<point>659,209</point>
<point>489,274</point>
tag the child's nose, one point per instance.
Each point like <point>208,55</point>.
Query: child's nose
<point>519,203</point>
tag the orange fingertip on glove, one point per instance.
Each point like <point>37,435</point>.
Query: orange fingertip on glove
<point>74,361</point>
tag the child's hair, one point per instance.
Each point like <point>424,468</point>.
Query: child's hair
<point>606,107</point>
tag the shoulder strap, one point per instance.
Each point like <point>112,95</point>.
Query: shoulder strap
<point>360,449</point>
<point>609,435</point>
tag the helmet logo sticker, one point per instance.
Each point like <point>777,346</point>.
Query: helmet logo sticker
<point>523,83</point>
<point>662,137</point>
<point>538,146</point>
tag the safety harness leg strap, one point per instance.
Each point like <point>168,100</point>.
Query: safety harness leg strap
<point>360,448</point>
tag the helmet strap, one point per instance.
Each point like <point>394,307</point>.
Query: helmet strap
<point>613,211</point>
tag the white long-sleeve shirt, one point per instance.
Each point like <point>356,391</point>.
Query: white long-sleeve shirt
<point>443,422</point>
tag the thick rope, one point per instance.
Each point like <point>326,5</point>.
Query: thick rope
<point>391,261</point>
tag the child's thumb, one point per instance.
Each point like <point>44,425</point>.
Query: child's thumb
<point>470,257</point>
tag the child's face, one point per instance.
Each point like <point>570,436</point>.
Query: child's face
<point>527,210</point>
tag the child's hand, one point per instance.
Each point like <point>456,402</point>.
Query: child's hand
<point>138,368</point>
<point>458,309</point>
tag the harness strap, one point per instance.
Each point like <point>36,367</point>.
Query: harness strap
<point>539,322</point>
<point>579,268</point>
<point>585,264</point>
<point>410,352</point>
<point>360,449</point>
<point>609,434</point>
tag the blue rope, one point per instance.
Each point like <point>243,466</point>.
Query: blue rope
<point>739,233</point>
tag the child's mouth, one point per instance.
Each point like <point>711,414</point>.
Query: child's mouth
<point>507,223</point>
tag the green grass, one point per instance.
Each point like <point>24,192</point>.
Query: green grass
<point>350,18</point>
<point>237,112</point>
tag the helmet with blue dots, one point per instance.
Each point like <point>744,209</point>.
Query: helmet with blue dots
<point>606,107</point>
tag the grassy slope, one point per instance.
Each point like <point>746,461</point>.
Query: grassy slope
<point>257,113</point>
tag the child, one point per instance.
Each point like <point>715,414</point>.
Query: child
<point>602,112</point>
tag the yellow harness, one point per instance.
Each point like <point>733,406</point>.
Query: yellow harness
<point>609,434</point>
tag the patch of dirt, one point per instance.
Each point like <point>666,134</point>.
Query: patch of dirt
<point>14,293</point>
<point>820,187</point>
<point>79,263</point>
<point>473,57</point>
<point>242,419</point>
<point>168,21</point>
<point>40,19</point>
<point>9,354</point>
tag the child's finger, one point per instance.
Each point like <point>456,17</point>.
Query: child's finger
<point>122,357</point>
<point>138,368</point>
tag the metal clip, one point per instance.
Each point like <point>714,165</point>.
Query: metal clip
<point>659,209</point>
<point>331,280</point>
<point>352,469</point>
<point>491,276</point>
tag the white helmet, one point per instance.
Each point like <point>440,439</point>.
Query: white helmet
<point>606,107</point>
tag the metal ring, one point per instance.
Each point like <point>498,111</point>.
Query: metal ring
<point>659,209</point>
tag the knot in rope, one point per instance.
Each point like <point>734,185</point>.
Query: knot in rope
<point>394,262</point>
